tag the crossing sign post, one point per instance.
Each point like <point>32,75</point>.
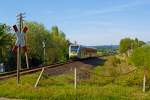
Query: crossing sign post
<point>20,43</point>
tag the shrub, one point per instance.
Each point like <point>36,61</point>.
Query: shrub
<point>114,61</point>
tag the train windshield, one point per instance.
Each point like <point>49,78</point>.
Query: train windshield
<point>74,48</point>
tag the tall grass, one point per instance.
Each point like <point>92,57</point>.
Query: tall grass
<point>96,87</point>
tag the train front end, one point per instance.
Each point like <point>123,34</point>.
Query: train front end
<point>73,51</point>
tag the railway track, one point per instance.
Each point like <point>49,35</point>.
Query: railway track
<point>32,70</point>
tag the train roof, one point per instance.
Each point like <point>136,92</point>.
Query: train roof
<point>85,48</point>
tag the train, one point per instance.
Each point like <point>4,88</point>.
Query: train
<point>81,52</point>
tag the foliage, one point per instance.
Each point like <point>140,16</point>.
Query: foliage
<point>107,50</point>
<point>5,42</point>
<point>35,36</point>
<point>60,45</point>
<point>141,56</point>
<point>55,41</point>
<point>127,45</point>
<point>114,61</point>
<point>61,87</point>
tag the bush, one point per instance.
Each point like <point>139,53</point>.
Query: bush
<point>141,56</point>
<point>114,61</point>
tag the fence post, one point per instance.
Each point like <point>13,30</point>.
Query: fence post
<point>75,78</point>
<point>39,78</point>
<point>144,81</point>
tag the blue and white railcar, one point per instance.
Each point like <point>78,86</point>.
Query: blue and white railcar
<point>73,51</point>
<point>79,51</point>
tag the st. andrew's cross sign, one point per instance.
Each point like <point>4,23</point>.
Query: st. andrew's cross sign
<point>20,42</point>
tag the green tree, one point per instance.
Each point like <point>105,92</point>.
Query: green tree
<point>35,36</point>
<point>56,45</point>
<point>5,41</point>
<point>137,43</point>
<point>141,58</point>
<point>127,45</point>
<point>60,44</point>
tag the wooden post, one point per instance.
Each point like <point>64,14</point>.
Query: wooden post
<point>75,78</point>
<point>144,81</point>
<point>19,51</point>
<point>18,64</point>
<point>39,78</point>
<point>20,43</point>
<point>27,60</point>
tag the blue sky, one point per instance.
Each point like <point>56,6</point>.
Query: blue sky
<point>89,22</point>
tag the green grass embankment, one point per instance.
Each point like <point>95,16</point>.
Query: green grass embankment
<point>104,83</point>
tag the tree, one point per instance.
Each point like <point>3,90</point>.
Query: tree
<point>127,45</point>
<point>5,41</point>
<point>35,36</point>
<point>141,58</point>
<point>60,44</point>
<point>56,45</point>
<point>137,43</point>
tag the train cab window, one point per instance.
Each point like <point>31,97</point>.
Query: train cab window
<point>74,48</point>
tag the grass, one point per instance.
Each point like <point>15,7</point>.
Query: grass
<point>98,87</point>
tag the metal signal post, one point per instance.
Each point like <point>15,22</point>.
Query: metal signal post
<point>44,52</point>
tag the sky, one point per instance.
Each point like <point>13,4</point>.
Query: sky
<point>89,22</point>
